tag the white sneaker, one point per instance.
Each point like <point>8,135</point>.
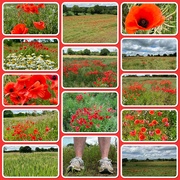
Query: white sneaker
<point>105,166</point>
<point>76,164</point>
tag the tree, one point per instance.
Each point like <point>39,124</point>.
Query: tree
<point>75,9</point>
<point>104,52</point>
<point>86,52</point>
<point>98,9</point>
<point>65,9</point>
<point>91,10</point>
<point>8,113</point>
<point>70,51</point>
<point>25,149</point>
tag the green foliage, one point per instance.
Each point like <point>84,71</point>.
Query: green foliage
<point>75,9</point>
<point>25,149</point>
<point>8,42</point>
<point>8,113</point>
<point>104,52</point>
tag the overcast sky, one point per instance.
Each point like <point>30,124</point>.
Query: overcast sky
<point>111,49</point>
<point>150,152</point>
<point>89,4</point>
<point>89,140</point>
<point>149,46</point>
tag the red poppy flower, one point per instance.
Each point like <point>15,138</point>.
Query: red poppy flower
<point>9,88</point>
<point>133,133</point>
<point>143,129</point>
<point>158,131</point>
<point>160,113</point>
<point>154,122</point>
<point>144,17</point>
<point>41,5</point>
<point>39,25</point>
<point>151,112</point>
<point>20,29</point>
<point>142,137</point>
<point>165,119</point>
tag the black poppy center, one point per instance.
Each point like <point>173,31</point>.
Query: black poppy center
<point>54,77</point>
<point>143,22</point>
<point>11,90</point>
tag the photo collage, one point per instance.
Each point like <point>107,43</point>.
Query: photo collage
<point>89,90</point>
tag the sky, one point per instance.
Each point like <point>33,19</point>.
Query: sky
<point>90,4</point>
<point>33,147</point>
<point>149,46</point>
<point>114,49</point>
<point>24,111</point>
<point>150,152</point>
<point>90,140</point>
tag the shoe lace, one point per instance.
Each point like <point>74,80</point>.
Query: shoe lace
<point>105,161</point>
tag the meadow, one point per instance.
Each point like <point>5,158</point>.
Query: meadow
<point>42,127</point>
<point>37,18</point>
<point>97,28</point>
<point>149,63</point>
<point>149,168</point>
<point>144,90</point>
<point>90,112</point>
<point>30,164</point>
<point>30,89</point>
<point>91,164</point>
<point>89,71</point>
<point>32,55</point>
<point>149,125</point>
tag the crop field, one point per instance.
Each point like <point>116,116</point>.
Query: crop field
<point>151,168</point>
<point>31,164</point>
<point>152,125</point>
<point>90,112</point>
<point>90,72</point>
<point>32,55</point>
<point>90,29</point>
<point>149,90</point>
<point>91,164</point>
<point>30,18</point>
<point>32,128</point>
<point>149,63</point>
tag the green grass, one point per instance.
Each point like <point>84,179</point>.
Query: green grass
<point>148,91</point>
<point>40,122</point>
<point>90,29</point>
<point>149,63</point>
<point>49,15</point>
<point>91,156</point>
<point>31,164</point>
<point>154,168</point>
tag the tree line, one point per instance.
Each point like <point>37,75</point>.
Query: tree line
<point>28,149</point>
<point>151,55</point>
<point>76,10</point>
<point>124,160</point>
<point>10,114</point>
<point>103,52</point>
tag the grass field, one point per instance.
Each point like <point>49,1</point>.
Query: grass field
<point>149,90</point>
<point>90,157</point>
<point>31,164</point>
<point>90,29</point>
<point>152,168</point>
<point>32,128</point>
<point>90,71</point>
<point>31,56</point>
<point>149,63</point>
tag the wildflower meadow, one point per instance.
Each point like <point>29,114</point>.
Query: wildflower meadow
<point>147,18</point>
<point>30,125</point>
<point>149,90</point>
<point>30,18</point>
<point>90,112</point>
<point>30,89</point>
<point>30,54</point>
<point>149,125</point>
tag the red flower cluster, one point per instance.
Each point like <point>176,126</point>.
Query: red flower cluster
<point>144,129</point>
<point>31,87</point>
<point>30,9</point>
<point>86,119</point>
<point>79,97</point>
<point>26,131</point>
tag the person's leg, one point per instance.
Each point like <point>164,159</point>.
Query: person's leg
<point>77,163</point>
<point>104,143</point>
<point>105,162</point>
<point>79,144</point>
